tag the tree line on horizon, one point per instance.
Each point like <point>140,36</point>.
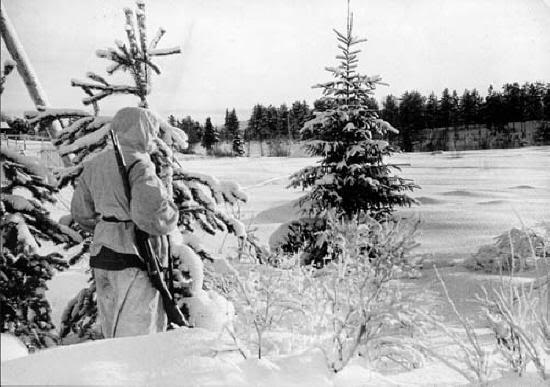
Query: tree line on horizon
<point>266,123</point>
<point>413,112</point>
<point>410,113</point>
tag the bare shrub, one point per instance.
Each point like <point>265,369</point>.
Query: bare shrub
<point>360,304</point>
<point>267,298</point>
<point>511,311</point>
<point>353,305</point>
<point>473,360</point>
<point>518,312</point>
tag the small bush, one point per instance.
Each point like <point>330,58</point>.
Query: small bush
<point>471,359</point>
<point>513,250</point>
<point>352,305</point>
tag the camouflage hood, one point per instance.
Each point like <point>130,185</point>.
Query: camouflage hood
<point>136,128</point>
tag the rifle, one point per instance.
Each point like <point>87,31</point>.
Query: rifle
<point>145,249</point>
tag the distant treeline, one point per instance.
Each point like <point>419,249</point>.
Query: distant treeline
<point>265,123</point>
<point>413,112</point>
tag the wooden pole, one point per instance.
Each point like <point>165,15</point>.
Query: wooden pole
<point>24,67</point>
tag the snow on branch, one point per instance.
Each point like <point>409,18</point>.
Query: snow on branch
<point>80,128</point>
<point>44,115</point>
<point>174,137</point>
<point>165,51</point>
<point>222,192</point>
<point>27,220</point>
<point>86,141</point>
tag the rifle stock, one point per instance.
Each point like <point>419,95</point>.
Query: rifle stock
<point>145,249</point>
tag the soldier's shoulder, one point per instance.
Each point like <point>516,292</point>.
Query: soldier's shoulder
<point>98,159</point>
<point>139,161</point>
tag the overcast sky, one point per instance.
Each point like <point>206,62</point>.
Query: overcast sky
<point>240,52</point>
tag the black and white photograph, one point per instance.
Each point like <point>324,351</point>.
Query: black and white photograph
<point>250,193</point>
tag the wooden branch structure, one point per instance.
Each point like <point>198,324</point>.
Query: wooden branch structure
<point>134,57</point>
<point>24,67</point>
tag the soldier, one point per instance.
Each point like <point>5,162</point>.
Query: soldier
<point>128,304</point>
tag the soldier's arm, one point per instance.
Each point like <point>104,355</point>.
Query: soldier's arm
<point>152,210</point>
<point>82,205</point>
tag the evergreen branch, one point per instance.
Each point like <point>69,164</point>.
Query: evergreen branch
<point>131,33</point>
<point>44,115</point>
<point>106,88</point>
<point>147,62</point>
<point>110,54</point>
<point>97,78</point>
<point>140,16</point>
<point>111,69</point>
<point>165,51</point>
<point>160,33</point>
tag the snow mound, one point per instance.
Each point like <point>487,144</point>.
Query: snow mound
<point>182,356</point>
<point>209,310</point>
<point>11,348</point>
<point>190,357</point>
<point>462,193</point>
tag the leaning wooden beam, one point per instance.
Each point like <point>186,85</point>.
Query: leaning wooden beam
<point>24,67</point>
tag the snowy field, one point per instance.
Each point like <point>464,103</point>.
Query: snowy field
<point>466,198</point>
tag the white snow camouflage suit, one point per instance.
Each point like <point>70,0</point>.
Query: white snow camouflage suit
<point>128,305</point>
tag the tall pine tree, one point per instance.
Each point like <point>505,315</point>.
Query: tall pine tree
<point>432,110</point>
<point>210,136</point>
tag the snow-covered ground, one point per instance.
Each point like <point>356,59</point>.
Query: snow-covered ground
<point>467,199</point>
<point>186,357</point>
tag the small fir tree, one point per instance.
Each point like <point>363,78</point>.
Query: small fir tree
<point>352,178</point>
<point>26,225</point>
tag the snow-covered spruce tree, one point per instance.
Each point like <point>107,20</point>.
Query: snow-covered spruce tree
<point>26,227</point>
<point>201,199</point>
<point>238,144</point>
<point>352,177</point>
